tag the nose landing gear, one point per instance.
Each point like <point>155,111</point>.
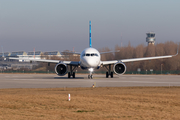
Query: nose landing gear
<point>90,76</point>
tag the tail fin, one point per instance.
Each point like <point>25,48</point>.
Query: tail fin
<point>90,44</point>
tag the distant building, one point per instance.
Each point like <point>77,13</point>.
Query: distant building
<point>35,53</point>
<point>15,54</point>
<point>17,64</point>
<point>150,38</point>
<point>50,54</point>
<point>30,55</point>
<point>6,54</point>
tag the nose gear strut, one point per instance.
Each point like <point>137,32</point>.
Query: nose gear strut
<point>90,76</point>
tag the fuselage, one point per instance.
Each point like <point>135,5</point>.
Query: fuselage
<point>90,58</point>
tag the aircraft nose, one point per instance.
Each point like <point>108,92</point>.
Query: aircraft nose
<point>92,63</point>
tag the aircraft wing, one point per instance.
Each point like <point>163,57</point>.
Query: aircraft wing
<point>73,53</point>
<point>109,52</point>
<point>136,59</point>
<point>76,63</point>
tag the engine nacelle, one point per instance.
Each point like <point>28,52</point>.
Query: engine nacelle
<point>61,69</point>
<point>119,68</point>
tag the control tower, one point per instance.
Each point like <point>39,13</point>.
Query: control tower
<point>150,38</point>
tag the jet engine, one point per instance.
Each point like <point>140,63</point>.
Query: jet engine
<point>61,69</point>
<point>119,68</point>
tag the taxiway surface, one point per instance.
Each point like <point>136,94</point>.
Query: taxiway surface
<point>54,81</point>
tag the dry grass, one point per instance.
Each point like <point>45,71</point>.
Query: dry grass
<point>136,103</point>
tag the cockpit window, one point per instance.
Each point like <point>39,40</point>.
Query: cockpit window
<point>96,54</point>
<point>87,54</point>
<point>92,54</point>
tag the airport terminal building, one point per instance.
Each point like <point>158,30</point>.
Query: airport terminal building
<point>6,63</point>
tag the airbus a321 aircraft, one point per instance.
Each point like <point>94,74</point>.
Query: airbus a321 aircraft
<point>90,59</point>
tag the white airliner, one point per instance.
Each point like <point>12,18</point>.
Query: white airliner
<point>90,59</point>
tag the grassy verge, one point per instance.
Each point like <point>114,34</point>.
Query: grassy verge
<point>136,103</point>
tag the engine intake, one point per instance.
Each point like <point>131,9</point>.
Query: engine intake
<point>61,69</point>
<point>119,68</point>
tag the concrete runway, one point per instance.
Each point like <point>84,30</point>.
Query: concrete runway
<point>54,81</point>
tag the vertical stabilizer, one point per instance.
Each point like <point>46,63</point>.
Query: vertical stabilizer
<point>90,44</point>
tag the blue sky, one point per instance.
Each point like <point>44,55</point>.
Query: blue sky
<point>50,25</point>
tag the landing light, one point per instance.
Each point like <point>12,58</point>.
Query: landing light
<point>91,69</point>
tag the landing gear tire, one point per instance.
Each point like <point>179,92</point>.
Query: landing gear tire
<point>73,74</point>
<point>90,76</point>
<point>69,74</point>
<point>107,75</point>
<point>111,74</point>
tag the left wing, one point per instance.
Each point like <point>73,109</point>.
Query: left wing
<point>76,63</point>
<point>136,59</point>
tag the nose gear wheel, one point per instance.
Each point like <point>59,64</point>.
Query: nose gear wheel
<point>90,76</point>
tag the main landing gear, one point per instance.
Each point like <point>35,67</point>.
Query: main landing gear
<point>71,73</point>
<point>109,72</point>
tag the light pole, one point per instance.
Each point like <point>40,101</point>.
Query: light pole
<point>161,68</point>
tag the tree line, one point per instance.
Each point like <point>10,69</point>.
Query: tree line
<point>159,49</point>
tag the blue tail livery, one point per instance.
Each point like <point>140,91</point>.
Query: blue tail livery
<point>90,44</point>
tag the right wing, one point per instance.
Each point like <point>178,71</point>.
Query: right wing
<point>72,53</point>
